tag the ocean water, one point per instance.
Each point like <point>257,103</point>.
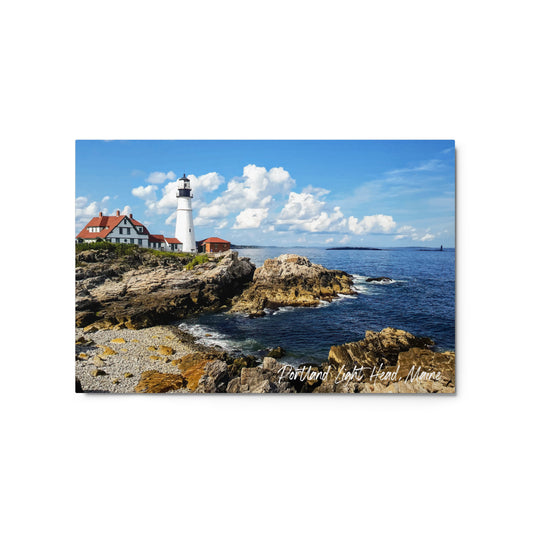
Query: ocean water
<point>420,299</point>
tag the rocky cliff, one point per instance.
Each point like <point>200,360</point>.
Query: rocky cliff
<point>142,289</point>
<point>291,280</point>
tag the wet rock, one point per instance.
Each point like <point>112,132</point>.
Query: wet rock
<point>277,353</point>
<point>379,279</point>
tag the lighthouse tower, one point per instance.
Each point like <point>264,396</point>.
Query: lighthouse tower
<point>184,224</point>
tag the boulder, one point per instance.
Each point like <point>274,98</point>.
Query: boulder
<point>166,350</point>
<point>277,353</point>
<point>215,377</point>
<point>192,366</point>
<point>157,382</point>
<point>261,379</point>
<point>390,361</point>
<point>291,280</point>
<point>379,279</point>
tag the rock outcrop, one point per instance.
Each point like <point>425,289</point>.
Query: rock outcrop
<point>141,290</point>
<point>261,379</point>
<point>291,280</point>
<point>391,360</point>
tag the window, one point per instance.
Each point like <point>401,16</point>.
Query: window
<point>132,241</point>
<point>140,241</point>
<point>127,231</point>
<point>120,230</point>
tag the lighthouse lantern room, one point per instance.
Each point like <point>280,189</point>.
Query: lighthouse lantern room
<point>184,223</point>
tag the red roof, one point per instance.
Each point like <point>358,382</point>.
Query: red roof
<point>156,238</point>
<point>215,239</point>
<point>108,222</point>
<point>172,240</point>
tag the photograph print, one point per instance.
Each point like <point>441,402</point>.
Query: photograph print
<point>265,266</point>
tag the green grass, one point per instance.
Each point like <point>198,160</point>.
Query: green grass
<point>122,250</point>
<point>197,260</point>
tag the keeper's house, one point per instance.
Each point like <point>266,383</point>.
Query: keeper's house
<point>126,230</point>
<point>213,245</point>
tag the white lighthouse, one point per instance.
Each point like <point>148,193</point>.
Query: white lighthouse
<point>184,224</point>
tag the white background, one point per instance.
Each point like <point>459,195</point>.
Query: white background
<point>277,69</point>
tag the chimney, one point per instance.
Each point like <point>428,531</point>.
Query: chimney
<point>100,214</point>
<point>118,212</point>
<point>130,215</point>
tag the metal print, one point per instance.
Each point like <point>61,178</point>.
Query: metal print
<point>265,266</point>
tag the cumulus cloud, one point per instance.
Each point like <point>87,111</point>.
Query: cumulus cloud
<point>160,177</point>
<point>167,202</point>
<point>250,218</point>
<point>85,210</point>
<point>317,191</point>
<point>371,224</point>
<point>255,189</point>
<point>145,192</point>
<point>427,237</point>
<point>304,211</point>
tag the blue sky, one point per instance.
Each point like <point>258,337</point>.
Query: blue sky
<point>320,193</point>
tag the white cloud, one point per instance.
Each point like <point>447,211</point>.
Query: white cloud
<point>222,224</point>
<point>255,189</point>
<point>200,185</point>
<point>145,192</point>
<point>411,233</point>
<point>304,212</point>
<point>160,177</point>
<point>317,191</point>
<point>85,211</point>
<point>206,183</point>
<point>329,240</point>
<point>371,224</point>
<point>250,218</point>
<point>426,166</point>
<point>126,210</point>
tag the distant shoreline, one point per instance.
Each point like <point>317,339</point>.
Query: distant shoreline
<point>353,248</point>
<point>386,249</point>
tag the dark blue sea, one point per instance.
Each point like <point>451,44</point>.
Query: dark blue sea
<point>420,299</point>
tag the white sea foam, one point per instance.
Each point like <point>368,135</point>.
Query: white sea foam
<point>365,287</point>
<point>209,337</point>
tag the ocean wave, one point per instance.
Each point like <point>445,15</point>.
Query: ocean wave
<point>212,338</point>
<point>362,280</point>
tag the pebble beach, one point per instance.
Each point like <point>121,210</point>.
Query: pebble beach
<point>114,360</point>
